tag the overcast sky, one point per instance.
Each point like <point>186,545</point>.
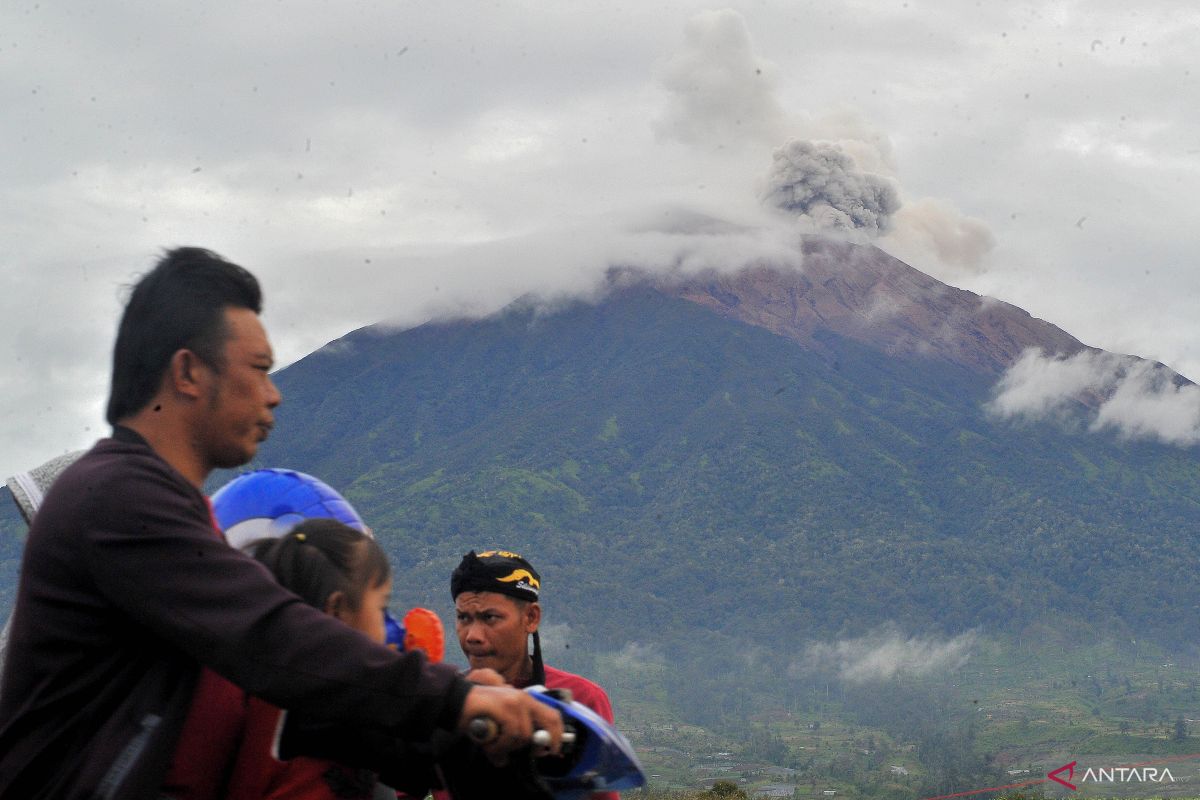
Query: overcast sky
<point>401,159</point>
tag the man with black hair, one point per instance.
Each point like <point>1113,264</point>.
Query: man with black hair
<point>135,622</point>
<point>497,610</point>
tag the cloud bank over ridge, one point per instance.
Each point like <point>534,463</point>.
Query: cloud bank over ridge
<point>1132,397</point>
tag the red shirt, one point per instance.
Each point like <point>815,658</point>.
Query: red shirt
<point>582,690</point>
<point>260,775</point>
<point>208,742</point>
<point>587,694</point>
<point>211,730</point>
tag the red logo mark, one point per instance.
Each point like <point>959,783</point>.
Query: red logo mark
<point>1069,769</point>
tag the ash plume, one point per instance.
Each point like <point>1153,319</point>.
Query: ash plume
<point>931,229</point>
<point>837,174</point>
<point>821,184</point>
<point>719,91</point>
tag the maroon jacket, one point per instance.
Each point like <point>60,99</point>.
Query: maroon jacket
<point>124,593</point>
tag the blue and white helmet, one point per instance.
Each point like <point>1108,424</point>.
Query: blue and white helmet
<point>267,503</point>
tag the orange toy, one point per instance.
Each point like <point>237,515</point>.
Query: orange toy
<point>423,631</point>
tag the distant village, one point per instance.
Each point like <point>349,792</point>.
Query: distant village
<point>700,768</point>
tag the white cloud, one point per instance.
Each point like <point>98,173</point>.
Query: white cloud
<point>637,657</point>
<point>1134,398</point>
<point>1038,386</point>
<point>885,654</point>
<point>1147,404</point>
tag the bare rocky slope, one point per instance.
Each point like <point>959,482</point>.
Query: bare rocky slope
<point>861,293</point>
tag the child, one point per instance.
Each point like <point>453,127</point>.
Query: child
<point>343,572</point>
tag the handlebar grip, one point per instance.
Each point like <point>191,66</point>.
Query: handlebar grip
<point>483,730</point>
<point>542,738</point>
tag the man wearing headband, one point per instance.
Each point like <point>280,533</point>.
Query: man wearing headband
<point>496,606</point>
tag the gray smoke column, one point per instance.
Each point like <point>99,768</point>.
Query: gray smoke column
<point>821,184</point>
<point>719,92</point>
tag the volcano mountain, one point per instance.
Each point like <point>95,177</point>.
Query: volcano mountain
<point>758,458</point>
